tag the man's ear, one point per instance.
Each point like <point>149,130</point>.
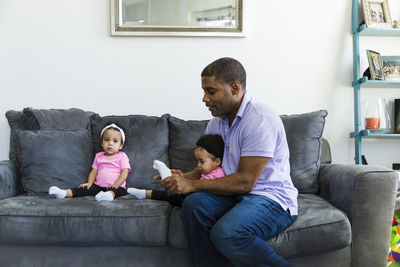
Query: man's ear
<point>235,87</point>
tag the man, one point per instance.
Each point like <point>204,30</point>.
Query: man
<point>227,220</point>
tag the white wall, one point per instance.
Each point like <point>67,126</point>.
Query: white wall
<point>298,56</point>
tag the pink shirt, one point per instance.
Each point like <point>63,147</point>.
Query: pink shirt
<point>109,168</point>
<point>214,174</point>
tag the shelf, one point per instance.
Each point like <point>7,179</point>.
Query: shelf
<point>365,31</point>
<point>375,134</point>
<point>364,82</point>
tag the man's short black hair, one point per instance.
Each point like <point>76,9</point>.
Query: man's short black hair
<point>226,70</point>
<point>213,143</point>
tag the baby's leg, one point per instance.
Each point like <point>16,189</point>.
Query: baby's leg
<point>105,196</point>
<point>162,169</point>
<point>139,193</point>
<point>60,193</point>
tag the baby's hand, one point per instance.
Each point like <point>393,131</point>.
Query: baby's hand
<point>113,186</point>
<point>175,171</point>
<point>87,185</point>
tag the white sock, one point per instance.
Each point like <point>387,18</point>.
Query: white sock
<point>104,196</point>
<point>162,169</point>
<point>138,193</point>
<point>59,193</point>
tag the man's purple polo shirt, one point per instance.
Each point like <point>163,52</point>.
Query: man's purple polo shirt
<point>258,131</point>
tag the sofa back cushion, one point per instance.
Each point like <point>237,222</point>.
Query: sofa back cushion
<point>304,136</point>
<point>146,140</point>
<point>54,157</point>
<point>35,119</point>
<point>183,136</point>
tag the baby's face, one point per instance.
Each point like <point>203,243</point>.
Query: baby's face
<point>205,161</point>
<point>111,142</point>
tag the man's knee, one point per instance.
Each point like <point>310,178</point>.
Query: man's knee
<point>226,237</point>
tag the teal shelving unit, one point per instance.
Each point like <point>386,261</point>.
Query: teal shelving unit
<point>363,82</point>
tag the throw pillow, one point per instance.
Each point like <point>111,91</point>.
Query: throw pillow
<point>304,136</point>
<point>54,157</point>
<point>183,137</point>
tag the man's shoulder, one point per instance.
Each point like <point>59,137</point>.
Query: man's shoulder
<point>261,111</point>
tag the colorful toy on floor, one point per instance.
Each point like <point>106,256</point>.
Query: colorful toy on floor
<point>394,255</point>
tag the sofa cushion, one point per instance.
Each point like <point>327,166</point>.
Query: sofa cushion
<point>43,220</point>
<point>146,140</point>
<point>54,157</point>
<point>304,136</point>
<point>310,234</point>
<point>183,136</point>
<point>35,119</point>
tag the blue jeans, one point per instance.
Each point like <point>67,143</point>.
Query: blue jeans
<point>226,230</point>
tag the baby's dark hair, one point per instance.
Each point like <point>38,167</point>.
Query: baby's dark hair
<point>119,125</point>
<point>213,143</point>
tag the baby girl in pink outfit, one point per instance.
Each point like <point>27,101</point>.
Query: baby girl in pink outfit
<point>110,169</point>
<point>209,153</point>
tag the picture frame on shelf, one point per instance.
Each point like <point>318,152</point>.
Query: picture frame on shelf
<point>391,67</point>
<point>376,13</point>
<point>375,65</point>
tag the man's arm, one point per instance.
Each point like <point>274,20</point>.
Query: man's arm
<point>242,182</point>
<point>192,175</point>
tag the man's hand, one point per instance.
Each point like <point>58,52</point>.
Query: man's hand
<point>87,185</point>
<point>177,184</point>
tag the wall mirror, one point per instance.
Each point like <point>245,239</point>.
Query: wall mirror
<point>177,17</point>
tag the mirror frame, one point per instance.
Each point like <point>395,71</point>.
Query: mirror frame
<point>117,29</point>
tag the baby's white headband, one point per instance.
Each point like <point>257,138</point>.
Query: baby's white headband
<point>114,126</point>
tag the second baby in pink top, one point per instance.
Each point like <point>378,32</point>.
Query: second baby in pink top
<point>209,153</point>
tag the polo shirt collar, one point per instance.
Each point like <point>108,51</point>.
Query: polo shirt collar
<point>246,99</point>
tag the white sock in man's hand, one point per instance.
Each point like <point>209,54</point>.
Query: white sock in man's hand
<point>162,169</point>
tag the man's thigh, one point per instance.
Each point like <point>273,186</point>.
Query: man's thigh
<point>254,214</point>
<point>209,205</point>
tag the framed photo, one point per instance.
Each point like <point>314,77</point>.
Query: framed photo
<point>391,67</point>
<point>376,13</point>
<point>375,65</point>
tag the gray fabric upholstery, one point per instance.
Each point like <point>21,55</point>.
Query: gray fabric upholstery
<point>8,181</point>
<point>54,157</point>
<point>35,119</point>
<point>304,134</point>
<point>146,140</point>
<point>326,157</point>
<point>176,232</point>
<point>94,256</point>
<point>43,220</point>
<point>183,136</point>
<point>311,233</point>
<point>308,235</point>
<point>134,256</point>
<point>72,118</point>
<point>367,195</point>
<point>334,258</point>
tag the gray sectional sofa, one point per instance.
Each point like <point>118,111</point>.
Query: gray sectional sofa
<point>345,211</point>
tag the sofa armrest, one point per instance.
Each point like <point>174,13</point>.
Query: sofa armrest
<point>367,195</point>
<point>8,179</point>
